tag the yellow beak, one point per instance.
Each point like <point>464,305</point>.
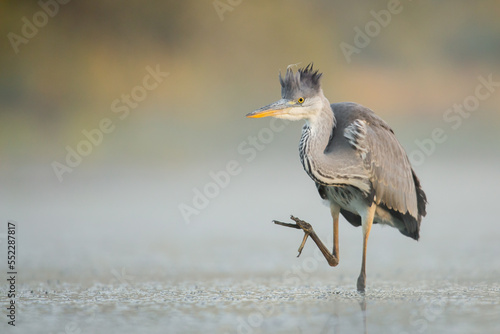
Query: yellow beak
<point>274,109</point>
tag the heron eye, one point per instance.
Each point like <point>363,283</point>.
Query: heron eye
<point>300,100</point>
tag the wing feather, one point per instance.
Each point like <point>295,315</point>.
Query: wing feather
<point>391,173</point>
<point>383,157</point>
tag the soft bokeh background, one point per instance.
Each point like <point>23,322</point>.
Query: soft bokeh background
<point>116,217</point>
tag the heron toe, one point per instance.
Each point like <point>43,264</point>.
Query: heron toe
<point>306,227</point>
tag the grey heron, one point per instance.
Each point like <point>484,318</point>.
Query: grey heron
<point>355,160</point>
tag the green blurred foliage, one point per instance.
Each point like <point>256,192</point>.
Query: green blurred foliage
<point>90,53</point>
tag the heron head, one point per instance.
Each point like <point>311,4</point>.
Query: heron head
<point>301,96</point>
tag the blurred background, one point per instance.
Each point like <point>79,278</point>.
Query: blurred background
<point>142,200</point>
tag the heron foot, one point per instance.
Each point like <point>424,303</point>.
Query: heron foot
<point>299,224</point>
<point>361,283</point>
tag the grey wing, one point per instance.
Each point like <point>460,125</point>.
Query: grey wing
<point>391,172</point>
<point>386,161</point>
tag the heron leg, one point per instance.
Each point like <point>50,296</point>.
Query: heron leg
<point>332,259</point>
<point>335,210</point>
<point>367,225</point>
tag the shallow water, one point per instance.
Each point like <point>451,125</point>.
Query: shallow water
<point>260,305</point>
<point>117,257</point>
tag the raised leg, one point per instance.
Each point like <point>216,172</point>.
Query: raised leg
<point>335,210</point>
<point>332,259</point>
<point>367,225</point>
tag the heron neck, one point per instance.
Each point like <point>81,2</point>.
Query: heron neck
<point>315,138</point>
<point>320,128</point>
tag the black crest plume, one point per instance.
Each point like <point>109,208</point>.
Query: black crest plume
<point>305,82</point>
